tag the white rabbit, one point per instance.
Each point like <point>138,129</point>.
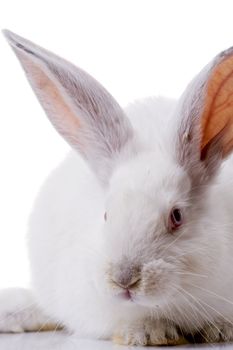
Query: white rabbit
<point>131,236</point>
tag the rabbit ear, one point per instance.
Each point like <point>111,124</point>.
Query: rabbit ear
<point>206,128</point>
<point>81,110</point>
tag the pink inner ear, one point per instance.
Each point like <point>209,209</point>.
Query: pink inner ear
<point>57,108</point>
<point>218,106</point>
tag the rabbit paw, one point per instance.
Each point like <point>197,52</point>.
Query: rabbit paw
<point>149,332</point>
<point>19,313</point>
<point>217,332</point>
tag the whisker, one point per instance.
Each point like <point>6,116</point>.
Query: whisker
<point>186,253</point>
<point>204,310</point>
<point>200,329</point>
<point>212,293</point>
<point>191,274</point>
<point>174,241</point>
<point>217,312</point>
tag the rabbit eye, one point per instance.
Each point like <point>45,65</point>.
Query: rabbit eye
<point>105,216</point>
<point>176,219</point>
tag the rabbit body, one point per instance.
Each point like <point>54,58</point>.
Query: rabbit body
<point>65,240</point>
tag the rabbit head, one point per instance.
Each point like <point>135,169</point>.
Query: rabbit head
<point>158,231</point>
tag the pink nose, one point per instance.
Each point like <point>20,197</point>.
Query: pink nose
<point>126,279</point>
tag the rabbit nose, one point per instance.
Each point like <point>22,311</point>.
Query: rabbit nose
<point>126,278</point>
<point>127,283</point>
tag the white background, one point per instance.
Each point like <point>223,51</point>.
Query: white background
<point>135,48</point>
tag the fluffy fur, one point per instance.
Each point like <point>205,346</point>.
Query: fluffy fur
<point>135,167</point>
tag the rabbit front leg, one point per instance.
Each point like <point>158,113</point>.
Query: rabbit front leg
<point>219,331</point>
<point>149,332</point>
<point>19,313</point>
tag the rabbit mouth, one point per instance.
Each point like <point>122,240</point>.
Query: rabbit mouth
<point>126,295</point>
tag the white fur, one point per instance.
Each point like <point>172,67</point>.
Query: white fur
<point>73,251</point>
<point>66,241</point>
<point>19,311</point>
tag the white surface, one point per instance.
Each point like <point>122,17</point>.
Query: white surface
<point>47,341</point>
<point>59,341</point>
